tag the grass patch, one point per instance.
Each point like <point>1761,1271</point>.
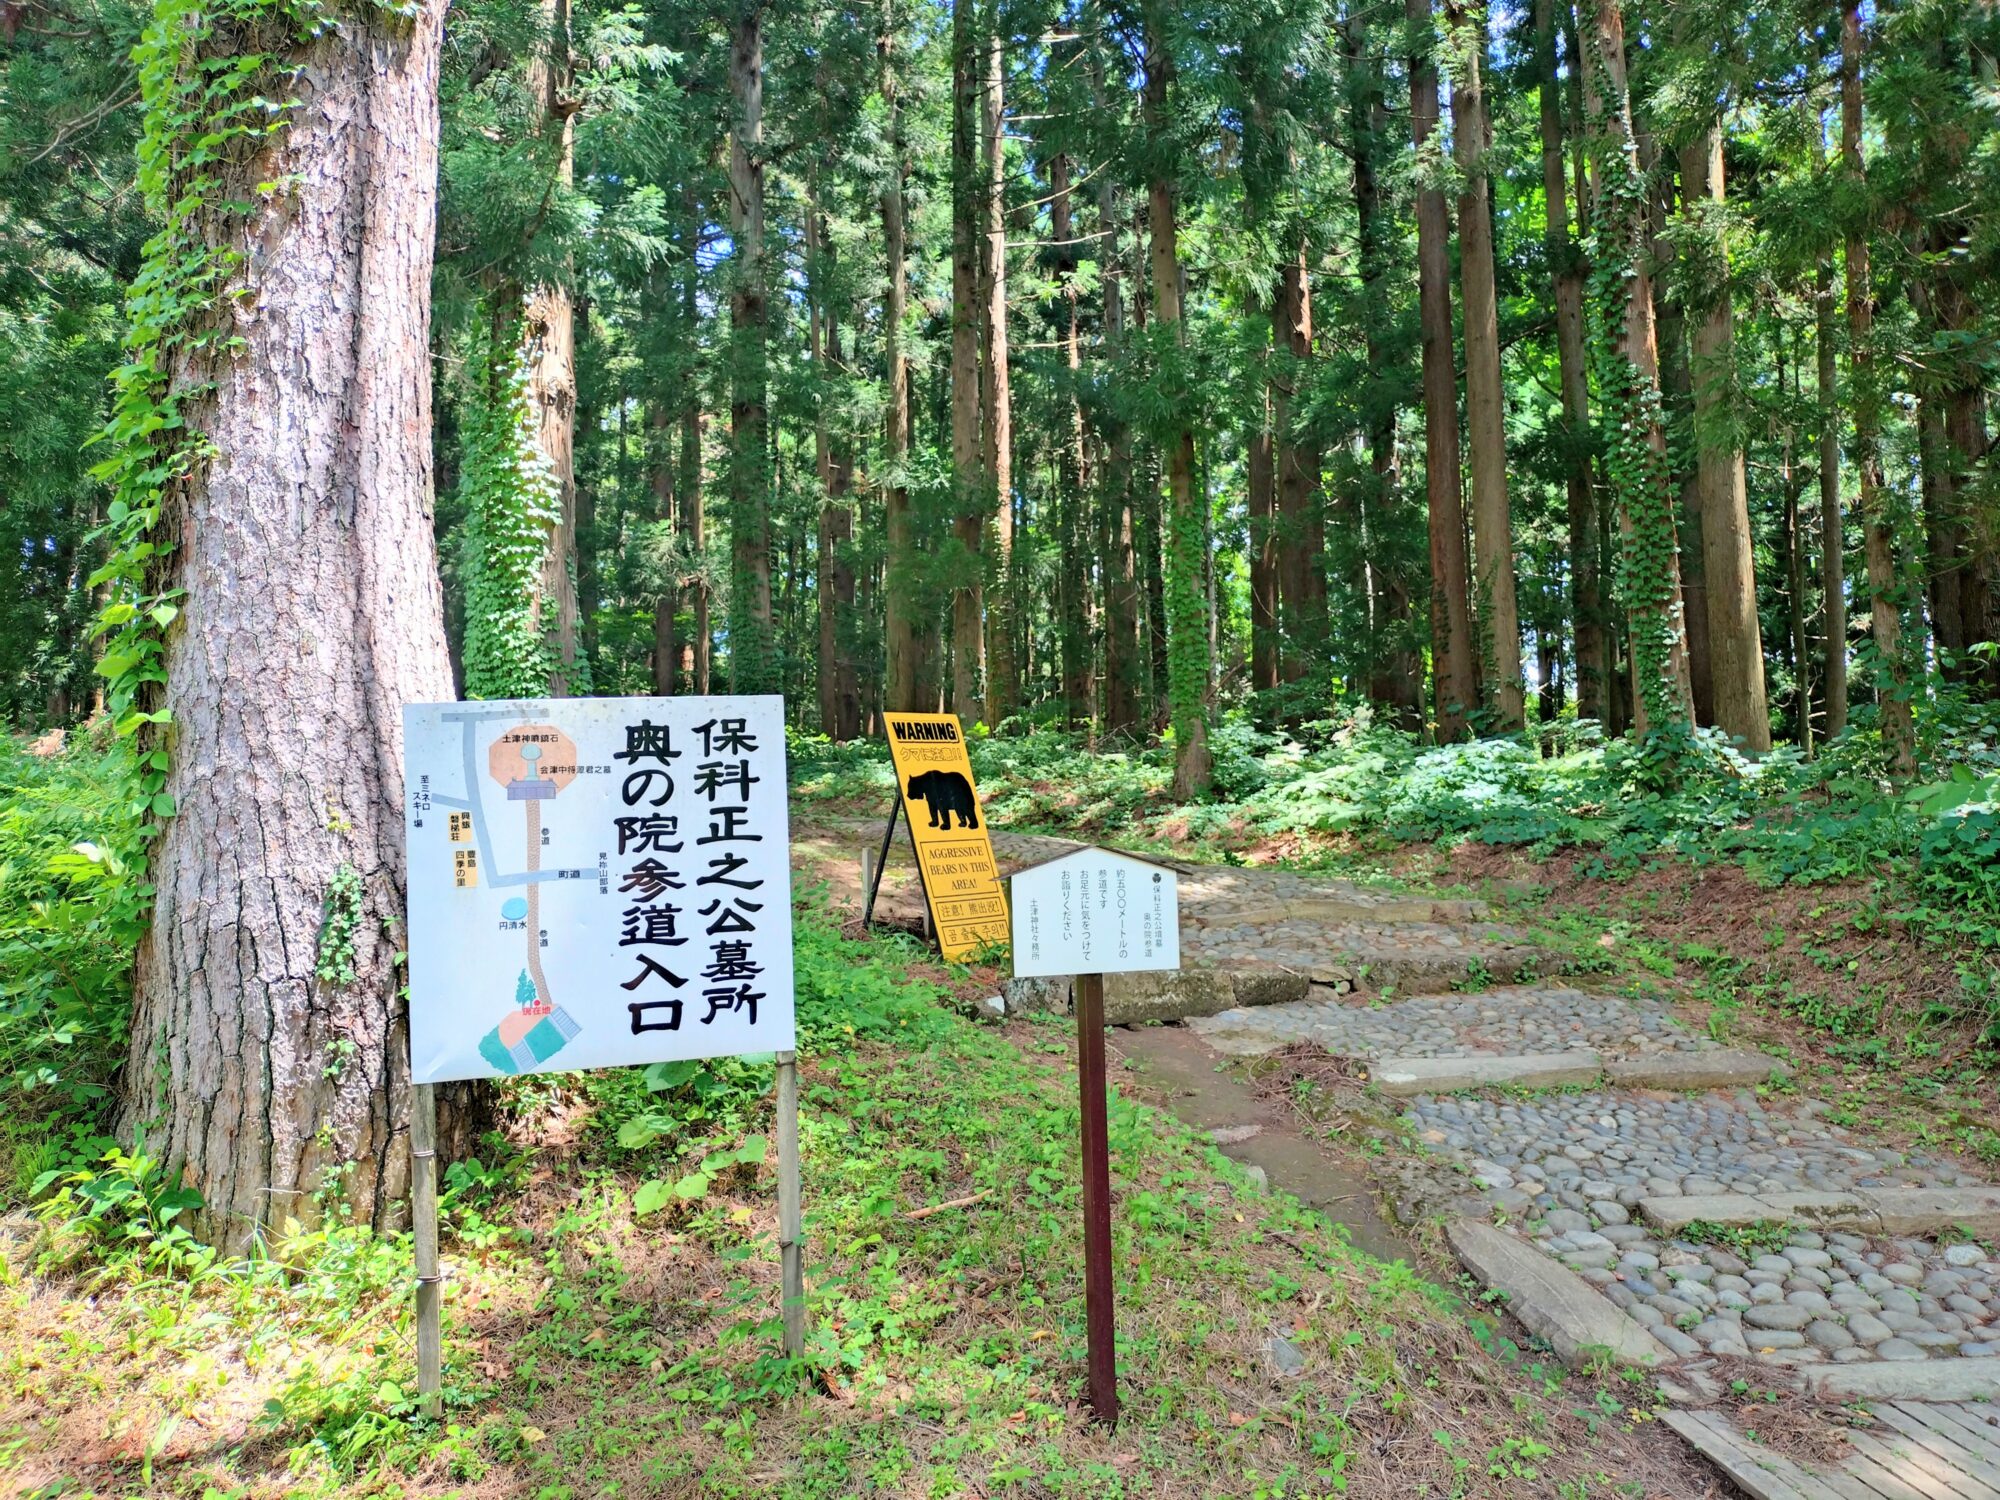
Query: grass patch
<point>595,1352</point>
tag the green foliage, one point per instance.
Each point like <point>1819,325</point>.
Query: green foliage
<point>207,75</point>
<point>339,924</point>
<point>72,906</point>
<point>124,1206</point>
<point>513,499</point>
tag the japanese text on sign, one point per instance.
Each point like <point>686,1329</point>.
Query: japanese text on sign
<point>620,892</point>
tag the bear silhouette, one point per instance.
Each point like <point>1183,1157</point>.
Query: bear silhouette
<point>945,793</point>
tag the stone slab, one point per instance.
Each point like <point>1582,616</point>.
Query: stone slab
<point>1403,1076</point>
<point>1170,995</point>
<point>1929,1380</point>
<point>1722,1068</point>
<point>1742,1210</point>
<point>1928,1210</point>
<point>1552,1301</point>
<point>1199,990</point>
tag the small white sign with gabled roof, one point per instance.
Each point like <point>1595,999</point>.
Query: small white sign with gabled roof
<point>1094,911</point>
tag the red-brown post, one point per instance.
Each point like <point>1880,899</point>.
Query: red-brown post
<point>1096,1198</point>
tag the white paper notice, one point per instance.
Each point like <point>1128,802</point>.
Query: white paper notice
<point>596,882</point>
<point>1094,912</point>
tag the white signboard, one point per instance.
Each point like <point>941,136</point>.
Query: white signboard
<point>595,882</point>
<point>1094,912</point>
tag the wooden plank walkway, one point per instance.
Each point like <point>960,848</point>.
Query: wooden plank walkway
<point>1919,1451</point>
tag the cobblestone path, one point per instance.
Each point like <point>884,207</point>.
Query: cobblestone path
<point>1580,1175</point>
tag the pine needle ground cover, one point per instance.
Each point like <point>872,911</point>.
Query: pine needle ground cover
<point>597,1350</point>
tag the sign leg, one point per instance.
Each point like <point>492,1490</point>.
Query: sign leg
<point>791,1249</point>
<point>872,877</point>
<point>430,1284</point>
<point>1097,1297</point>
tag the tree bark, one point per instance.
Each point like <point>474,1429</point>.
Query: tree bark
<point>1073,476</point>
<point>1185,551</point>
<point>1661,694</point>
<point>1262,505</point>
<point>1301,528</point>
<point>838,682</point>
<point>1892,676</point>
<point>660,460</point>
<point>968,525</point>
<point>1735,636</point>
<point>1832,538</point>
<point>1395,683</point>
<point>1677,416</point>
<point>754,665</point>
<point>1003,689</point>
<point>1454,675</point>
<point>312,613</point>
<point>1566,273</point>
<point>1121,599</point>
<point>1485,410</point>
<point>549,335</point>
<point>899,616</point>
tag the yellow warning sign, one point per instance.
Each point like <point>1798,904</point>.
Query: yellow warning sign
<point>968,908</point>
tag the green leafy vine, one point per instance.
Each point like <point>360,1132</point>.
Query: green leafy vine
<point>514,501</point>
<point>1632,427</point>
<point>206,80</point>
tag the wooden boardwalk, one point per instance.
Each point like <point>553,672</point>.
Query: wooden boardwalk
<point>1919,1451</point>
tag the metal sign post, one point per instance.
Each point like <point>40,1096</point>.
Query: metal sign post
<point>430,1284</point>
<point>1087,914</point>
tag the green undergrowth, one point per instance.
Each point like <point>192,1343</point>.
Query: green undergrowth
<point>593,1350</point>
<point>71,911</point>
<point>1337,792</point>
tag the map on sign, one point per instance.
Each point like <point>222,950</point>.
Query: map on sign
<point>954,853</point>
<point>1095,911</point>
<point>596,882</point>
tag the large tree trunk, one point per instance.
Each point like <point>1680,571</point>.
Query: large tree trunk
<point>660,427</point>
<point>1003,688</point>
<point>968,525</point>
<point>838,683</point>
<point>1395,682</point>
<point>1262,513</point>
<point>1636,441</point>
<point>1485,411</point>
<point>1072,466</point>
<point>1566,273</point>
<point>1301,526</point>
<point>1893,685</point>
<point>1114,479</point>
<point>311,615</point>
<point>1832,538</point>
<point>549,345</point>
<point>754,665</point>
<point>1735,637</point>
<point>899,615</point>
<point>1677,415</point>
<point>1185,551</point>
<point>1455,678</point>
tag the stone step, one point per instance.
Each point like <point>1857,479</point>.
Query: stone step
<point>1552,1301</point>
<point>1894,1211</point>
<point>1405,1076</point>
<point>1950,1379</point>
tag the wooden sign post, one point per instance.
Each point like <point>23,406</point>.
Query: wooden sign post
<point>595,882</point>
<point>1087,914</point>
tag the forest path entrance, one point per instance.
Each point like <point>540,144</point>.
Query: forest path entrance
<point>1637,1191</point>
